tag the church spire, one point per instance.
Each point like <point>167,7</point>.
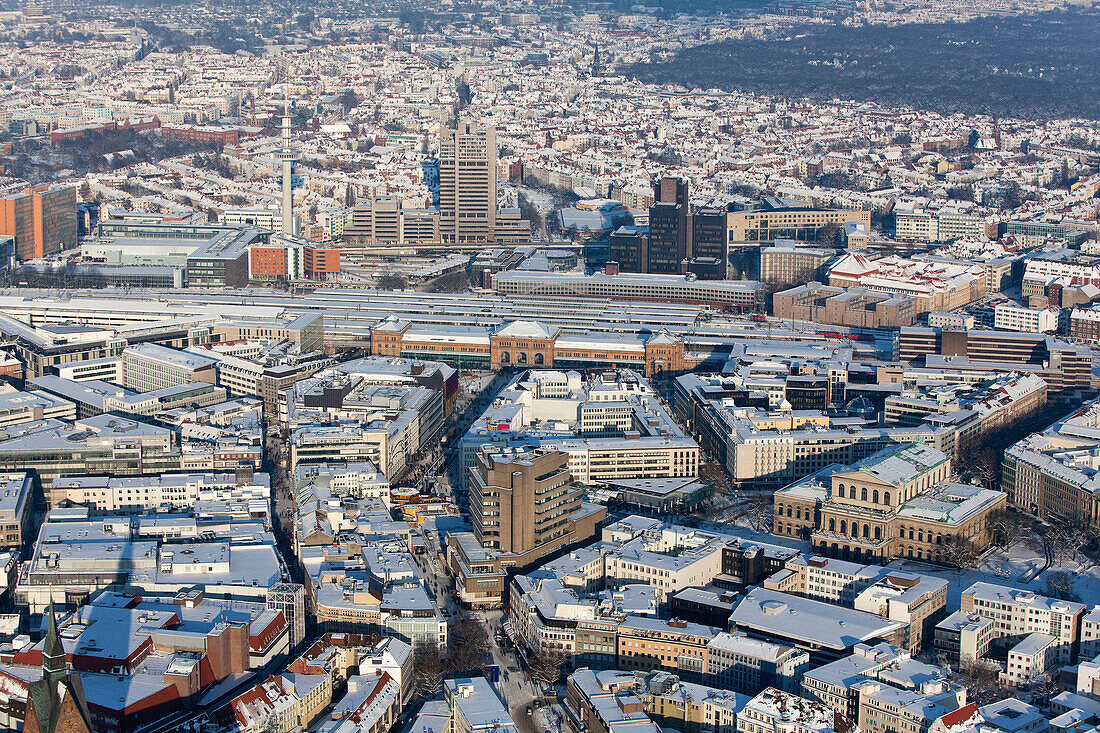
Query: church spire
<point>53,651</point>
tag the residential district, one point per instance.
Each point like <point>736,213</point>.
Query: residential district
<point>390,369</point>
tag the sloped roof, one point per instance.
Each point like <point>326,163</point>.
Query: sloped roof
<point>528,329</point>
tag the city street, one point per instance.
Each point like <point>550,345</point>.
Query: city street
<point>518,692</point>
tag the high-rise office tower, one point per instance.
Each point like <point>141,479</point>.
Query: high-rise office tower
<point>42,220</point>
<point>708,244</point>
<point>468,184</point>
<point>628,246</point>
<point>522,501</point>
<point>668,227</point>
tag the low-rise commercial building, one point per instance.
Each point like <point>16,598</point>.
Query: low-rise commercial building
<point>825,631</point>
<point>1035,320</point>
<point>1062,365</point>
<point>1051,472</point>
<point>852,307</point>
<point>16,509</point>
<point>101,445</point>
<point>18,407</point>
<point>719,294</point>
<point>177,491</point>
<point>776,711</point>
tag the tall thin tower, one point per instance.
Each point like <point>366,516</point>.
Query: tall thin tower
<point>287,155</point>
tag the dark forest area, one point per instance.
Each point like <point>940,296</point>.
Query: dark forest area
<point>1034,66</point>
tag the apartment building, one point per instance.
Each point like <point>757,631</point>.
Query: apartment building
<point>824,579</point>
<point>1084,325</point>
<point>973,408</point>
<point>1035,320</point>
<point>1017,614</point>
<point>775,457</point>
<point>366,585</point>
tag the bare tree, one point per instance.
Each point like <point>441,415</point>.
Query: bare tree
<point>829,235</point>
<point>1067,539</point>
<point>1006,527</point>
<point>1044,687</point>
<point>469,644</point>
<point>1059,585</point>
<point>958,553</point>
<point>428,670</point>
<point>982,462</point>
<point>547,664</point>
<point>391,281</point>
<point>981,678</point>
<point>759,512</point>
<point>453,282</point>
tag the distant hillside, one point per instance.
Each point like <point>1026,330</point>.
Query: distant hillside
<point>1032,66</point>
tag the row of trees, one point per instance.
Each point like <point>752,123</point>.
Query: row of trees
<point>468,652</point>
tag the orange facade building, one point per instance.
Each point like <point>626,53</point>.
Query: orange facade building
<point>42,220</point>
<point>322,264</point>
<point>267,263</point>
